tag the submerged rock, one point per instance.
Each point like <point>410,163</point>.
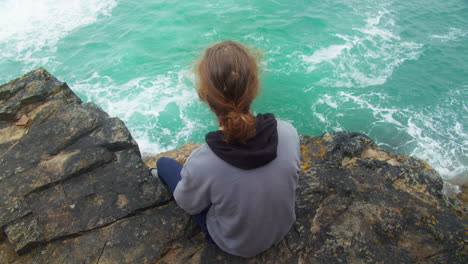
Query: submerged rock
<point>75,190</point>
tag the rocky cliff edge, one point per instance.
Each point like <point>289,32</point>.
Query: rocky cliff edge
<point>74,189</point>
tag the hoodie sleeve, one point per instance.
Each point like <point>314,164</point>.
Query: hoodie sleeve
<point>192,193</point>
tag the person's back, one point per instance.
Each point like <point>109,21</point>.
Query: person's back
<point>243,180</point>
<point>250,209</point>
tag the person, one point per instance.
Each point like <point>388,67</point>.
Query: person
<point>239,186</point>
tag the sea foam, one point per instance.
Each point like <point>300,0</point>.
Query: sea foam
<point>30,30</point>
<point>149,106</point>
<point>367,57</point>
<point>453,34</point>
<point>433,134</point>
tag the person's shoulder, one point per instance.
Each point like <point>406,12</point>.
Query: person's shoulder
<point>286,126</point>
<point>201,157</point>
<point>200,163</point>
<point>195,160</point>
<point>196,153</point>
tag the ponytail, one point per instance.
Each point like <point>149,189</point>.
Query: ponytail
<point>228,83</point>
<point>238,126</point>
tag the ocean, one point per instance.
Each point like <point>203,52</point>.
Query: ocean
<point>395,70</point>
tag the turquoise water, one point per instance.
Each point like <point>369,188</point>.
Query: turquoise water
<point>395,70</point>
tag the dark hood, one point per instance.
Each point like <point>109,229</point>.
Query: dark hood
<point>256,152</point>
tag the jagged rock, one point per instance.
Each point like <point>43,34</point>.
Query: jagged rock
<point>71,170</point>
<point>75,190</point>
<point>463,195</point>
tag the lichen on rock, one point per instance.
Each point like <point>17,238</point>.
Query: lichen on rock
<point>76,190</point>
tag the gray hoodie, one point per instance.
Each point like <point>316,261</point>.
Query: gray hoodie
<point>251,209</point>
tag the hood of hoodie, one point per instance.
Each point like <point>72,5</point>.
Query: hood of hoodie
<point>256,152</point>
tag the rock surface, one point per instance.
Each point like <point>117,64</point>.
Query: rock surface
<point>75,190</point>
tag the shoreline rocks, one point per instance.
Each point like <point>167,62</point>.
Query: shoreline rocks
<point>76,190</point>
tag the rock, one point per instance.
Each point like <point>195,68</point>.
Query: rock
<point>180,155</point>
<point>71,171</point>
<point>358,203</point>
<point>7,252</point>
<point>463,195</point>
<point>75,190</point>
<point>24,120</point>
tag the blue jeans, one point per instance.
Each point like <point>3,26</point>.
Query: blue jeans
<point>169,172</point>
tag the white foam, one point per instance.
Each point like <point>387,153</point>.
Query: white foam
<point>325,55</point>
<point>382,114</point>
<point>367,57</point>
<point>146,98</point>
<point>325,106</point>
<point>436,134</point>
<point>432,134</point>
<point>211,33</point>
<point>320,117</point>
<point>31,29</point>
<point>452,35</point>
<point>327,99</point>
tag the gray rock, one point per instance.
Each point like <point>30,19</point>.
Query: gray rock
<point>75,190</point>
<point>72,169</point>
